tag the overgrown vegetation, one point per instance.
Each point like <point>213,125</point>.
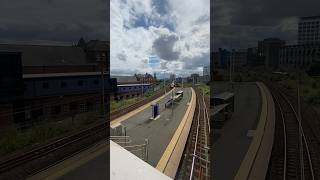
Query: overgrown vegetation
<point>117,104</point>
<point>13,139</point>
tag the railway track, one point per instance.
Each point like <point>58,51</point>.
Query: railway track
<point>28,163</point>
<point>119,112</point>
<point>25,164</point>
<point>291,157</point>
<point>195,163</point>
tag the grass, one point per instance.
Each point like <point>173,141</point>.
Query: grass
<point>114,105</point>
<point>117,104</point>
<point>205,88</point>
<point>13,139</point>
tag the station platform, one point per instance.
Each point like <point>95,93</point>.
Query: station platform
<point>255,163</point>
<point>166,136</point>
<point>242,147</point>
<point>230,142</point>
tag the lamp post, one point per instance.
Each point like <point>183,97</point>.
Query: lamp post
<point>101,58</point>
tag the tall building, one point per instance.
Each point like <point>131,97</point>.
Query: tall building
<point>206,71</point>
<point>309,30</point>
<point>220,59</point>
<point>253,57</point>
<point>303,55</point>
<point>172,77</point>
<point>270,49</point>
<point>238,57</point>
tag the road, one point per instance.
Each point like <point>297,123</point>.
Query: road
<point>231,142</point>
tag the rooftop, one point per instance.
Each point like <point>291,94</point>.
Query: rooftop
<point>122,85</point>
<point>44,55</point>
<point>224,95</point>
<point>218,108</point>
<point>25,76</point>
<point>310,17</point>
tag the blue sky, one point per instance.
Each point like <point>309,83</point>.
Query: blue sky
<point>177,32</point>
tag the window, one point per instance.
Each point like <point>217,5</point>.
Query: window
<point>80,83</point>
<point>45,85</point>
<point>63,84</point>
<point>96,81</point>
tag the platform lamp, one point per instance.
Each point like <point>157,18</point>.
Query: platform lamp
<point>102,58</point>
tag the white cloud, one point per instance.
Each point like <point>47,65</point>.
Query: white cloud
<point>190,27</point>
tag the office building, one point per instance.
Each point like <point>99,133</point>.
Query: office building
<point>309,30</point>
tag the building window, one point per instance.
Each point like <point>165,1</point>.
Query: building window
<point>96,81</point>
<point>63,84</point>
<point>83,107</point>
<point>45,85</point>
<point>80,83</point>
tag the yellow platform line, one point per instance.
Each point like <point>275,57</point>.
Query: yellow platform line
<point>247,162</point>
<point>136,111</point>
<point>162,163</point>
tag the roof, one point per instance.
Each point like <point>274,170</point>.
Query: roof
<point>224,95</point>
<point>97,45</point>
<point>121,85</point>
<point>43,55</point>
<point>179,92</point>
<point>125,165</point>
<point>218,108</point>
<point>310,17</point>
<point>26,76</point>
<point>125,79</point>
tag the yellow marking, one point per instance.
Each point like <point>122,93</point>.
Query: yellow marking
<point>162,163</point>
<point>247,162</point>
<point>132,113</point>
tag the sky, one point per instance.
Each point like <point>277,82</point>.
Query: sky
<point>176,33</point>
<point>240,24</point>
<point>53,22</point>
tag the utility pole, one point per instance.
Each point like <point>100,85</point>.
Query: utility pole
<point>102,60</point>
<point>164,83</point>
<point>182,82</point>
<point>141,81</point>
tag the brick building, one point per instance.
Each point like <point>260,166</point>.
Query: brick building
<point>53,80</point>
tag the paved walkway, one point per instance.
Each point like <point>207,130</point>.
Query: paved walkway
<point>159,132</point>
<point>231,142</point>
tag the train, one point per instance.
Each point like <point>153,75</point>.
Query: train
<point>172,85</point>
<point>177,97</point>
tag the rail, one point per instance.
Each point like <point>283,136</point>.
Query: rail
<point>26,164</point>
<point>294,140</point>
<point>195,165</point>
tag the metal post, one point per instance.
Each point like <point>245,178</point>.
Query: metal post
<point>146,149</point>
<point>102,83</point>
<point>172,99</point>
<point>182,82</point>
<point>125,136</point>
<point>141,81</point>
